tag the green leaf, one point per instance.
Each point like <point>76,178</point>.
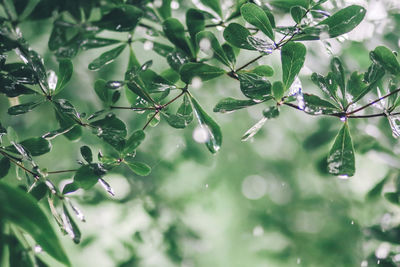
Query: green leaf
<point>254,15</point>
<point>203,71</point>
<point>134,141</point>
<point>230,53</point>
<point>112,130</point>
<point>329,88</point>
<point>356,86</point>
<point>165,9</point>
<point>341,159</point>
<point>287,4</point>
<point>269,113</point>
<point>219,53</point>
<point>293,56</point>
<point>230,104</point>
<point>278,90</point>
<point>4,166</point>
<point>195,22</point>
<point>123,18</point>
<point>183,116</point>
<point>339,23</point>
<point>85,177</point>
<point>338,75</point>
<point>72,226</point>
<point>175,32</point>
<point>86,153</point>
<point>22,209</point>
<point>237,35</point>
<point>214,132</point>
<point>385,57</point>
<point>106,58</point>
<point>102,91</point>
<point>139,168</point>
<point>314,105</point>
<point>37,146</point>
<point>298,12</point>
<point>214,5</point>
<point>263,70</point>
<point>97,42</point>
<point>23,108</point>
<point>65,109</point>
<point>254,86</point>
<point>65,71</point>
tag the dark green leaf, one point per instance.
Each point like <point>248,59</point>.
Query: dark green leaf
<point>22,209</point>
<point>70,224</point>
<point>254,86</point>
<point>355,85</point>
<point>175,32</point>
<point>338,75</point>
<point>214,132</point>
<point>230,54</point>
<point>287,4</point>
<point>214,45</point>
<point>377,189</point>
<point>71,187</point>
<point>65,71</point>
<point>263,70</point>
<point>214,5</point>
<point>134,141</point>
<point>203,71</point>
<point>183,116</point>
<point>165,9</point>
<point>385,57</point>
<point>195,22</point>
<point>23,108</point>
<point>293,56</point>
<point>139,168</point>
<point>100,87</point>
<point>36,146</point>
<point>237,35</point>
<point>112,130</point>
<point>316,106</point>
<point>254,15</point>
<point>328,86</point>
<point>4,166</point>
<point>230,104</point>
<point>66,109</point>
<point>278,90</point>
<point>85,178</point>
<point>176,59</point>
<point>39,191</point>
<point>97,42</point>
<point>106,57</point>
<point>298,12</point>
<point>86,153</point>
<point>123,19</point>
<point>341,159</point>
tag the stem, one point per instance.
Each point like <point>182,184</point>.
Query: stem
<point>373,102</point>
<point>152,117</point>
<point>133,108</point>
<point>35,175</point>
<point>174,99</point>
<point>63,171</point>
<point>250,62</point>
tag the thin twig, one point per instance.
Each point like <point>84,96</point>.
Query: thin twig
<point>151,118</point>
<point>62,171</point>
<point>35,175</point>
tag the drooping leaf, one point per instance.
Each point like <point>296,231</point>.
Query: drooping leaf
<point>256,16</point>
<point>139,168</point>
<point>214,5</point>
<point>106,57</point>
<point>292,57</point>
<point>254,86</point>
<point>385,57</point>
<point>123,18</point>
<point>219,53</point>
<point>4,166</point>
<point>201,70</point>
<point>22,209</point>
<point>112,130</point>
<point>230,104</point>
<point>237,35</point>
<point>269,113</point>
<point>175,32</point>
<point>85,177</point>
<point>23,108</point>
<point>71,227</point>
<point>214,131</point>
<point>341,160</point>
<point>65,71</point>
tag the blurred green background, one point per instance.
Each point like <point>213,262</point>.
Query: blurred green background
<point>265,202</point>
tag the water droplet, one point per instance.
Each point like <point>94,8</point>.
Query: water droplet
<point>258,230</point>
<point>148,45</point>
<point>206,185</point>
<point>343,177</point>
<point>254,187</point>
<point>364,263</point>
<point>196,82</point>
<point>261,45</point>
<point>296,90</point>
<point>52,80</point>
<point>352,222</point>
<point>114,84</point>
<point>106,186</point>
<point>119,26</point>
<point>343,119</point>
<point>219,28</point>
<point>174,5</point>
<point>37,249</point>
<point>298,261</point>
<point>201,134</point>
<point>99,131</point>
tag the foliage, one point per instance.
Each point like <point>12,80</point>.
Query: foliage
<point>195,53</point>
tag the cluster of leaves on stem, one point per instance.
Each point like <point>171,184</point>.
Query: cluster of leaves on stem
<point>195,53</point>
